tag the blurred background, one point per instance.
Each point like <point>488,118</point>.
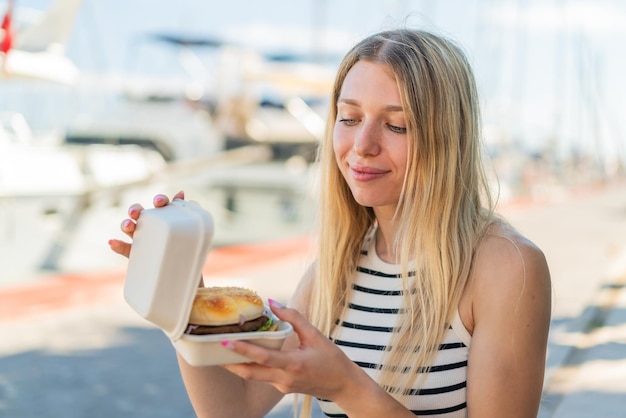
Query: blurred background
<point>224,99</point>
<point>105,103</point>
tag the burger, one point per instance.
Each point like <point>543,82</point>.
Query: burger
<point>230,309</point>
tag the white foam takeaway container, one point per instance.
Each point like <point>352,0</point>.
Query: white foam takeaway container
<point>165,264</point>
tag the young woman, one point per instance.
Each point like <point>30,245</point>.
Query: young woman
<point>422,301</point>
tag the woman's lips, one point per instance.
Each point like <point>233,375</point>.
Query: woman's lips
<point>361,173</point>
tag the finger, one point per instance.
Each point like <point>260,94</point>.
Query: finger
<point>301,326</point>
<point>128,227</point>
<point>120,247</point>
<point>134,210</point>
<point>252,371</point>
<point>263,358</point>
<point>160,200</point>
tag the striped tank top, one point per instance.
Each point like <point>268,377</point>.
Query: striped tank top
<point>366,329</point>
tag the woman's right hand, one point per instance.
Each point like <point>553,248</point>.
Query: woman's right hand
<point>128,225</point>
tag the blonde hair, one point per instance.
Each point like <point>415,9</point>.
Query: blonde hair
<point>443,211</point>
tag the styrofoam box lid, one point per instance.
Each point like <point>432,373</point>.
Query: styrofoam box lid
<point>170,245</point>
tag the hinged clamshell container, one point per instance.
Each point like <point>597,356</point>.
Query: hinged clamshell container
<point>170,245</point>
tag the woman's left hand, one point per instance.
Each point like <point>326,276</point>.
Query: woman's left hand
<point>316,367</point>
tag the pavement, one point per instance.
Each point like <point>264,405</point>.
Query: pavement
<point>583,234</point>
<point>71,347</point>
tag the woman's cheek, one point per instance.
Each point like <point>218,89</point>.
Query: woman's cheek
<point>341,142</point>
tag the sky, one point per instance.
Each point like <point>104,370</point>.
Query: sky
<point>545,68</point>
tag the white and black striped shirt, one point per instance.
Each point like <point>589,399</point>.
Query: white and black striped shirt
<point>366,329</point>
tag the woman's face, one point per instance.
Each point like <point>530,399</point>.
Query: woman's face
<point>370,139</point>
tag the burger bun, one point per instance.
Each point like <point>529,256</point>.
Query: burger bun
<point>217,306</point>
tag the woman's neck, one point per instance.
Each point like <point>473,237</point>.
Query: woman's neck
<point>384,239</point>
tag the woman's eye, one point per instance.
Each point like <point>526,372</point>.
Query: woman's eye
<point>349,122</point>
<point>397,129</point>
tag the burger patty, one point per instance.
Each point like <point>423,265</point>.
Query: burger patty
<point>248,326</point>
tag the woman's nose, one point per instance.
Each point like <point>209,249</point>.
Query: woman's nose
<point>367,140</point>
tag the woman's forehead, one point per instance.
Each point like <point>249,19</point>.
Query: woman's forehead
<point>366,80</point>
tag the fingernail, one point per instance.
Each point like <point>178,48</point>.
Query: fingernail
<point>275,304</point>
<point>127,223</point>
<point>227,344</point>
<point>159,199</point>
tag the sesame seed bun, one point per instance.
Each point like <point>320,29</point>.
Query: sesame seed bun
<point>215,306</point>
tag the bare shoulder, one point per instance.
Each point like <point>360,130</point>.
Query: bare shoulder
<point>506,256</point>
<point>508,271</point>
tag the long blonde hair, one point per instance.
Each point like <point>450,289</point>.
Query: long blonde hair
<point>443,211</point>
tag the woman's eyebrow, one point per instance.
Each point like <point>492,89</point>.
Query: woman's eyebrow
<point>388,108</point>
<point>349,102</point>
<point>394,108</point>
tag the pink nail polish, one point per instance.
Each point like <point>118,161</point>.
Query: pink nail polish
<point>227,344</point>
<point>275,304</point>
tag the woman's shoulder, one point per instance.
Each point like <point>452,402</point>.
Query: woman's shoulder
<point>505,255</point>
<point>503,242</point>
<point>507,268</point>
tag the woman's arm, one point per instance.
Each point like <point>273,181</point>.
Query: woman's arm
<point>216,392</point>
<point>317,367</point>
<point>510,306</point>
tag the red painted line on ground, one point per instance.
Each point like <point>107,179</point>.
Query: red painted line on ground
<point>65,291</point>
<point>243,257</point>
